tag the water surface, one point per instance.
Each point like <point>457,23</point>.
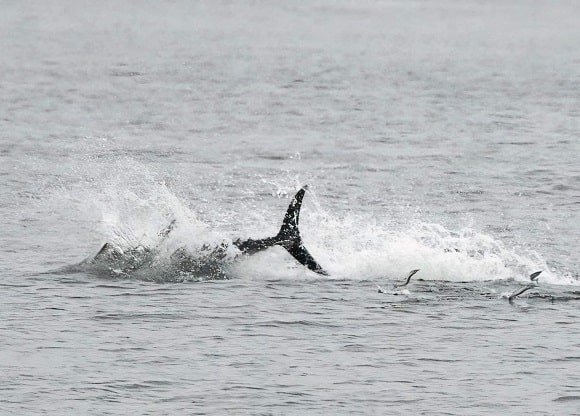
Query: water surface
<point>441,136</point>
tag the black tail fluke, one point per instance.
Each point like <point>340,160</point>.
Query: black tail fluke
<point>288,237</point>
<point>289,229</point>
<point>299,252</point>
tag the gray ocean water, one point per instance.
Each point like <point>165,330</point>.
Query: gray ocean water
<point>434,135</point>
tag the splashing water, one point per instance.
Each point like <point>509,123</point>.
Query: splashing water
<point>131,209</point>
<point>355,247</point>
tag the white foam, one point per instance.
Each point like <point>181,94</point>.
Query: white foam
<point>130,205</point>
<point>362,248</point>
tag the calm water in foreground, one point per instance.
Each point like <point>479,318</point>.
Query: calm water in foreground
<point>440,136</point>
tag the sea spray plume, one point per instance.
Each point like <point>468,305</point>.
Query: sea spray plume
<point>110,250</point>
<point>534,277</point>
<point>122,262</point>
<point>167,230</point>
<point>362,245</point>
<point>467,254</point>
<point>208,260</point>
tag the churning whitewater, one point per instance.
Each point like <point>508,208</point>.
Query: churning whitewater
<point>121,261</point>
<point>154,259</point>
<point>353,247</point>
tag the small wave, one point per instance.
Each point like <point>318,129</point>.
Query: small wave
<point>566,398</point>
<point>281,323</point>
